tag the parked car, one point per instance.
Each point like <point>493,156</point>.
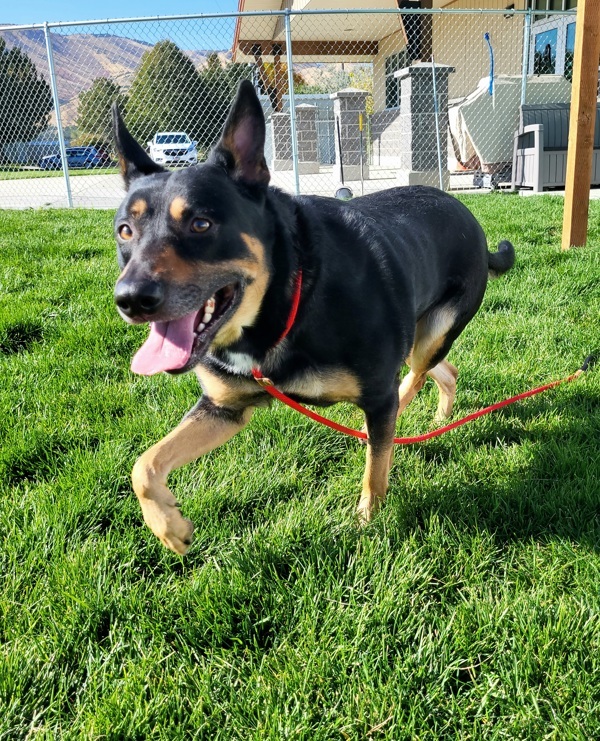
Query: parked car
<point>173,148</point>
<point>76,157</point>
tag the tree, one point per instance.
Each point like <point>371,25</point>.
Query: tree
<point>219,83</point>
<point>25,97</point>
<point>166,94</point>
<point>273,81</point>
<point>93,112</point>
<point>330,79</point>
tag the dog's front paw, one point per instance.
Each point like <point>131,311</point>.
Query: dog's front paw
<point>367,507</point>
<point>363,512</point>
<point>166,522</point>
<point>160,508</point>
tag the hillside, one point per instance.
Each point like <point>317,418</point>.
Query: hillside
<point>79,58</point>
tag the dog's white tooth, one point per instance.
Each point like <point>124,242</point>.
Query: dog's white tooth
<point>201,326</point>
<point>206,318</point>
<point>210,304</point>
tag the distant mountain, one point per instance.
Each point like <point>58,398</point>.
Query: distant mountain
<point>79,58</point>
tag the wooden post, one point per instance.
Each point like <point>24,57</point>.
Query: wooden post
<point>581,124</point>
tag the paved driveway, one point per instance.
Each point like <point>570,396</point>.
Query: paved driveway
<point>106,191</point>
<point>88,191</point>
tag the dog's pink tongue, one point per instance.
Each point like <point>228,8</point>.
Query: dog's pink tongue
<point>168,347</point>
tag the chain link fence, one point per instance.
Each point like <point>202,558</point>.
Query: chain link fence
<point>364,99</point>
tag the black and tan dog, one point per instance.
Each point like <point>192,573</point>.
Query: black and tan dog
<point>210,257</point>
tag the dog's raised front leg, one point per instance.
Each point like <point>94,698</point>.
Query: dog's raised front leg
<point>380,426</point>
<point>204,428</point>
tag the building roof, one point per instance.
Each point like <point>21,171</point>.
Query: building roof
<point>351,37</point>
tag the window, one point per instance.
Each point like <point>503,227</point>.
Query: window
<point>569,51</point>
<point>545,5</point>
<point>553,45</point>
<point>544,58</point>
<point>392,84</point>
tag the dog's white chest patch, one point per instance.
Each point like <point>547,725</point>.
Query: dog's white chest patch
<point>238,362</point>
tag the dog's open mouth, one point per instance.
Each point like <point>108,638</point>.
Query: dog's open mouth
<point>171,345</point>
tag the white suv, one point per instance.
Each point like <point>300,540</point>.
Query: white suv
<point>173,148</point>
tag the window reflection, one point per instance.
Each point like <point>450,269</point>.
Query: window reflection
<point>569,51</point>
<point>544,60</point>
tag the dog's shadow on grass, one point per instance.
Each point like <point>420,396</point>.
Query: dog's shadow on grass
<point>550,491</point>
<point>555,492</point>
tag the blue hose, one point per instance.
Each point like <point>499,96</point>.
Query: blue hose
<point>486,36</point>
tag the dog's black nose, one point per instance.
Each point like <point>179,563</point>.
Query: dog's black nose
<point>135,298</point>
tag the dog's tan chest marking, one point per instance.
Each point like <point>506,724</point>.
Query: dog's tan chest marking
<point>328,386</point>
<point>226,392</point>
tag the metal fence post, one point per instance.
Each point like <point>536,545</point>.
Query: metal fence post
<point>437,125</point>
<point>61,136</point>
<point>290,61</point>
<point>526,51</point>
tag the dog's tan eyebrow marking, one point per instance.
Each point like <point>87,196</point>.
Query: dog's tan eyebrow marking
<point>138,208</point>
<point>178,207</point>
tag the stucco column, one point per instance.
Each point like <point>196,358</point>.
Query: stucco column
<point>281,133</point>
<point>306,131</point>
<point>418,145</point>
<point>347,105</point>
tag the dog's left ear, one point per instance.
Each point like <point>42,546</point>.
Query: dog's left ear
<point>242,142</point>
<point>133,160</point>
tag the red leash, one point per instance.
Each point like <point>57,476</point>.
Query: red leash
<point>275,393</point>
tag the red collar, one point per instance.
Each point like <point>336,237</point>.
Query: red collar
<point>294,307</point>
<point>289,324</point>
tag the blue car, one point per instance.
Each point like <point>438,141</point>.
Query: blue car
<point>76,157</point>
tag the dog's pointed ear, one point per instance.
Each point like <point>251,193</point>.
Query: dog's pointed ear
<point>133,160</point>
<point>242,143</point>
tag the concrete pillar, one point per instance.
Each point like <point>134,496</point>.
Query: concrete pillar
<point>306,131</point>
<point>347,105</point>
<point>418,146</point>
<point>282,142</point>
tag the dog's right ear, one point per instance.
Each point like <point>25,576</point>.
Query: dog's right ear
<point>133,160</point>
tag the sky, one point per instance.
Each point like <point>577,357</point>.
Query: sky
<point>38,11</point>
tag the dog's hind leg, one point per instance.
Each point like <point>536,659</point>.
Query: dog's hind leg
<point>203,429</point>
<point>411,384</point>
<point>434,336</point>
<point>444,374</point>
<point>380,449</point>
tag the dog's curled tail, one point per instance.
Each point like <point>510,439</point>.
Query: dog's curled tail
<point>502,261</point>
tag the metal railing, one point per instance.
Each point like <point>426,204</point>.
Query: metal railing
<point>350,96</point>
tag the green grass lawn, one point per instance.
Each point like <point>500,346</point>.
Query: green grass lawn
<point>469,608</point>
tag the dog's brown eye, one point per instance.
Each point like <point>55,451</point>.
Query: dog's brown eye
<point>200,225</point>
<point>125,232</point>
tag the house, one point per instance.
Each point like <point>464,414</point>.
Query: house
<point>393,42</point>
<point>404,41</point>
